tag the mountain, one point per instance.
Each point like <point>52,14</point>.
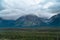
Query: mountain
<point>55,21</point>
<point>6,23</point>
<point>29,21</point>
<point>34,21</point>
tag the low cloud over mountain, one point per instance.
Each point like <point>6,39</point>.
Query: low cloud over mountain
<point>13,9</point>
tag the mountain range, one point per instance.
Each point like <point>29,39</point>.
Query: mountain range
<point>31,21</point>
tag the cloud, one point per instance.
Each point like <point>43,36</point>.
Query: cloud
<point>13,9</point>
<point>46,6</point>
<point>11,14</point>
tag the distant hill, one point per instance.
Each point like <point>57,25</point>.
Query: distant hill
<point>6,23</point>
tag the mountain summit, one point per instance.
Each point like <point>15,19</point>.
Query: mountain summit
<point>29,21</point>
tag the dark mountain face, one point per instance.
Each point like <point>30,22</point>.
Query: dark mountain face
<point>55,20</point>
<point>31,21</point>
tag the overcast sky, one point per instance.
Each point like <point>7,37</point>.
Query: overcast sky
<point>13,9</point>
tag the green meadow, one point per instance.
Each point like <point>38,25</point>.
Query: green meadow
<point>29,35</point>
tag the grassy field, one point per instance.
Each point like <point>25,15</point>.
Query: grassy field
<point>29,34</point>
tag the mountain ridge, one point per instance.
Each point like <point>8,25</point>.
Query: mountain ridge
<point>31,21</point>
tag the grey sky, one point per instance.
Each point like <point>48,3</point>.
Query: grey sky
<point>13,9</point>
